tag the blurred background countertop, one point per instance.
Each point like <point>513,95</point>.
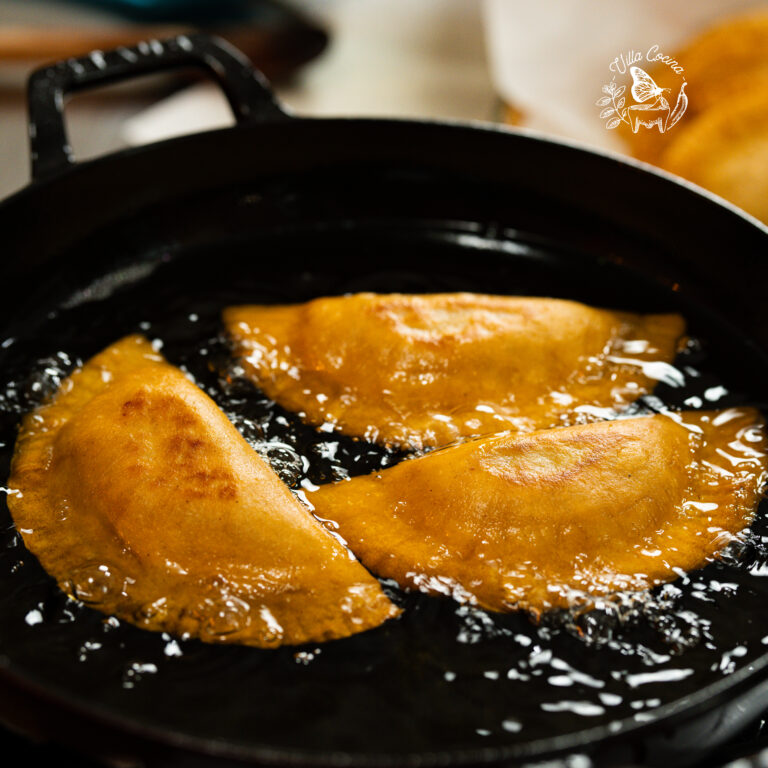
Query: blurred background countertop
<point>385,57</point>
<point>539,66</point>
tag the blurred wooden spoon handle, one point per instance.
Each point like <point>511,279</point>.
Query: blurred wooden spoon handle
<point>19,43</point>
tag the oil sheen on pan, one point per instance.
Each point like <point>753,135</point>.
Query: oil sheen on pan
<point>417,371</point>
<point>137,494</point>
<point>556,517</point>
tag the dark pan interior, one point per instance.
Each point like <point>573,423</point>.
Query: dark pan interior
<point>442,682</point>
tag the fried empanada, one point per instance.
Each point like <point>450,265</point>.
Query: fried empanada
<point>557,517</point>
<point>717,61</point>
<point>721,65</point>
<point>139,496</point>
<point>423,370</point>
<point>726,151</point>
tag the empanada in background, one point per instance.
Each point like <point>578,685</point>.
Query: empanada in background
<point>557,517</point>
<point>721,143</point>
<point>423,370</point>
<point>138,495</point>
<point>726,152</point>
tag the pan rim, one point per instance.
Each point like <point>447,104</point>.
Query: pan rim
<point>460,127</point>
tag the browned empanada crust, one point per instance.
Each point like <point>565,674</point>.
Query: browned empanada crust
<point>556,517</point>
<point>423,370</point>
<point>139,496</point>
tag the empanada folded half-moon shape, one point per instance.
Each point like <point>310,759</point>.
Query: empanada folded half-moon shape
<point>422,370</point>
<point>137,494</point>
<point>557,517</point>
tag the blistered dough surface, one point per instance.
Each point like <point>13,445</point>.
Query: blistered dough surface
<point>423,370</point>
<point>550,518</point>
<point>137,494</point>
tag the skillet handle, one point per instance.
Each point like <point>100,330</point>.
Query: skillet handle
<point>246,89</point>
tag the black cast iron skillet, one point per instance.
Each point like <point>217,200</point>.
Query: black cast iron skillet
<point>159,239</point>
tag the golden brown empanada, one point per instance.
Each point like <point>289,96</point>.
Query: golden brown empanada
<point>726,151</point>
<point>542,520</point>
<point>138,495</point>
<point>721,142</point>
<point>722,64</point>
<point>423,370</point>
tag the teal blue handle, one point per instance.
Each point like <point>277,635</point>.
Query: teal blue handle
<point>199,11</point>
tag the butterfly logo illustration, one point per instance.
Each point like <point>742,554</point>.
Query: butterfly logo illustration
<point>643,86</point>
<point>651,110</point>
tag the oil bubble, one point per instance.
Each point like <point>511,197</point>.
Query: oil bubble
<point>93,584</point>
<point>223,616</point>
